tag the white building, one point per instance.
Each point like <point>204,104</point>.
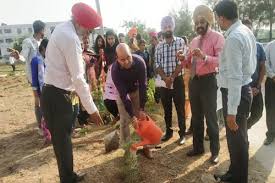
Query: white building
<point>10,33</point>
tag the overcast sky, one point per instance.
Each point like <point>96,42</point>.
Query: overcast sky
<point>113,11</point>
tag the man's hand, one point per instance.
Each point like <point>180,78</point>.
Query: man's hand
<point>180,55</point>
<point>135,122</point>
<point>36,101</point>
<point>255,91</point>
<point>198,53</point>
<point>95,117</point>
<point>168,81</point>
<point>15,54</point>
<point>142,115</point>
<point>273,78</point>
<point>101,52</point>
<point>231,122</point>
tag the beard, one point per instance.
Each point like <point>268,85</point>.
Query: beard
<point>168,34</point>
<point>81,32</point>
<point>202,30</point>
<point>222,28</point>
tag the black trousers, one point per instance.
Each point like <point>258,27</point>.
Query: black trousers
<point>13,67</point>
<point>58,112</point>
<point>238,141</point>
<point>111,107</point>
<point>256,110</point>
<point>177,95</point>
<point>75,114</point>
<point>203,100</point>
<point>270,107</point>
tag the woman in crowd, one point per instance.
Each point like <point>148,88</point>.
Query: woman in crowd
<point>110,49</point>
<point>99,51</point>
<point>110,96</point>
<point>90,62</point>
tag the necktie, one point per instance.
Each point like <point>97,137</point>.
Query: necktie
<point>194,61</point>
<point>193,67</point>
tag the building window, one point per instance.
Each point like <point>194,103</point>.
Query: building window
<point>1,41</point>
<point>7,31</point>
<point>30,30</point>
<point>1,31</point>
<point>19,31</point>
<point>9,40</point>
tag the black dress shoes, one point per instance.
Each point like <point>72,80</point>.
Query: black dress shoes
<point>189,132</point>
<point>268,141</point>
<point>214,159</point>
<point>181,140</point>
<point>166,137</point>
<point>224,178</point>
<point>79,177</point>
<point>194,153</point>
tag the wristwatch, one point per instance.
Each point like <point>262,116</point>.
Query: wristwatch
<point>205,58</point>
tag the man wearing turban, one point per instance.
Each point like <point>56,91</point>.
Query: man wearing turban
<point>173,90</point>
<point>64,75</point>
<point>133,42</point>
<point>203,63</point>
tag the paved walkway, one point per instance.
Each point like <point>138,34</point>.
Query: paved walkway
<point>264,154</point>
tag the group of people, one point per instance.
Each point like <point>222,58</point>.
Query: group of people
<point>64,69</point>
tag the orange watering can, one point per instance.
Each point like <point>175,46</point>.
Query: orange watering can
<point>149,132</point>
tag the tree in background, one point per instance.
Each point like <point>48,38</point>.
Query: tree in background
<point>183,22</point>
<point>260,12</point>
<point>141,27</point>
<point>17,45</point>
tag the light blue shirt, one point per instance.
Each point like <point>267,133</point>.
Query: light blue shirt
<point>270,59</point>
<point>237,63</point>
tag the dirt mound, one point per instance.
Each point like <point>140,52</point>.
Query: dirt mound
<point>23,158</point>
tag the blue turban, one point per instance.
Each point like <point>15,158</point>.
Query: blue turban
<point>166,21</point>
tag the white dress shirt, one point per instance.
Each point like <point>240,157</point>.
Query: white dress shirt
<point>270,59</point>
<point>237,63</point>
<point>29,50</point>
<point>64,64</point>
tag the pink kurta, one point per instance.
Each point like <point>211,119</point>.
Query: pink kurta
<point>90,70</point>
